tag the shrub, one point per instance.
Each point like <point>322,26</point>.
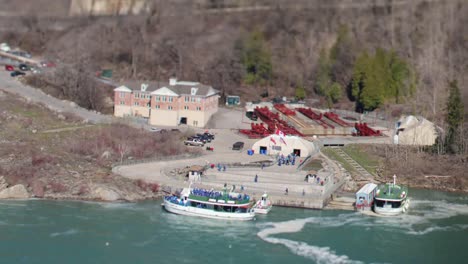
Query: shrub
<point>58,187</point>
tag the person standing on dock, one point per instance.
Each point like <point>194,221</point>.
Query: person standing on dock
<point>256,178</point>
<point>303,192</point>
<point>286,191</point>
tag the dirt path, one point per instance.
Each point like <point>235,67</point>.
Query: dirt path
<point>13,85</point>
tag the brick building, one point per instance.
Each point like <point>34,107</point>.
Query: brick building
<point>167,104</point>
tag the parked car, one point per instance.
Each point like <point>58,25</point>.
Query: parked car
<point>196,138</point>
<point>5,47</point>
<point>23,67</point>
<point>252,116</point>
<point>160,130</point>
<point>20,53</point>
<point>47,64</point>
<point>9,68</point>
<point>35,70</point>
<point>212,136</point>
<point>17,73</point>
<point>238,145</point>
<point>194,142</point>
<point>204,137</point>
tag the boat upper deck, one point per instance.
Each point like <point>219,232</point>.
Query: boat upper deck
<point>391,191</point>
<point>224,197</point>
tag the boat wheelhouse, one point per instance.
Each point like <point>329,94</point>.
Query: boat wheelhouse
<point>365,197</point>
<point>391,199</point>
<point>210,204</point>
<point>264,205</point>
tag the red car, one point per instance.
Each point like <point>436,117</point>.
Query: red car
<point>9,68</point>
<point>48,64</point>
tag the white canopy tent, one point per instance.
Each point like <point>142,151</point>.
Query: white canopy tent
<point>411,130</point>
<point>274,144</point>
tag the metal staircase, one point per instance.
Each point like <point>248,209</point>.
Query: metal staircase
<point>353,163</point>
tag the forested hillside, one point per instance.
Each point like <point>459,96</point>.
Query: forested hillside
<point>355,54</point>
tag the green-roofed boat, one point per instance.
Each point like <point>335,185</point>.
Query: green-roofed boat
<point>391,199</point>
<point>226,205</point>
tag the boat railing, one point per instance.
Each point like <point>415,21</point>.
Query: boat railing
<point>209,195</point>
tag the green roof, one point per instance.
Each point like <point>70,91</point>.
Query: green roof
<point>389,191</point>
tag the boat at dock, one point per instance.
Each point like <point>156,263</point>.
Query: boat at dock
<point>391,199</point>
<point>264,205</point>
<point>226,205</point>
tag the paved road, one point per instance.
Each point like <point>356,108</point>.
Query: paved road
<point>13,85</point>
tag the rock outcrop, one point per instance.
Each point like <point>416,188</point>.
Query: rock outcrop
<point>3,183</point>
<point>15,192</point>
<point>105,194</point>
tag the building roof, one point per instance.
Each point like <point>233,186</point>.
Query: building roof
<point>368,188</point>
<point>122,88</point>
<point>176,88</point>
<point>197,168</point>
<point>390,191</point>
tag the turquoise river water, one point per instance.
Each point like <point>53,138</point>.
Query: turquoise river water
<point>435,230</point>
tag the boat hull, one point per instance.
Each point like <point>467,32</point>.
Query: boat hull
<point>200,212</point>
<point>392,211</point>
<point>263,210</point>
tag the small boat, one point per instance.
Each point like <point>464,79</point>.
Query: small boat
<point>264,205</point>
<point>210,204</point>
<point>391,199</point>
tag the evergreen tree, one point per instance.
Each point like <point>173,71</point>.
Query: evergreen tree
<point>455,110</point>
<point>324,85</point>
<point>256,59</point>
<point>379,77</point>
<point>300,92</point>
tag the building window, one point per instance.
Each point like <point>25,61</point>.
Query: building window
<point>187,98</point>
<point>192,99</point>
<point>164,98</point>
<point>122,94</point>
<point>158,99</point>
<point>170,99</point>
<point>148,96</point>
<point>157,106</point>
<point>198,108</point>
<point>186,107</point>
<point>169,107</point>
<point>148,105</point>
<point>195,123</point>
<point>137,95</point>
<point>198,99</point>
<point>122,102</point>
<point>136,103</point>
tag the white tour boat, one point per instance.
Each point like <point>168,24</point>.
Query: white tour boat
<point>210,204</point>
<point>264,205</point>
<point>391,199</point>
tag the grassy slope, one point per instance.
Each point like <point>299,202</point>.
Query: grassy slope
<point>67,162</point>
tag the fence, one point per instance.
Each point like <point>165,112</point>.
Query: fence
<point>154,159</point>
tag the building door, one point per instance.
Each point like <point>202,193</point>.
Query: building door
<point>183,120</point>
<point>297,152</point>
<point>263,150</point>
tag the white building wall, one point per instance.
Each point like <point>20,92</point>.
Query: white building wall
<point>143,111</point>
<point>306,147</point>
<point>163,118</point>
<point>122,110</point>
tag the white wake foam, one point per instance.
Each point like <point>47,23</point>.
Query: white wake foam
<point>420,220</point>
<point>320,255</point>
<point>65,233</point>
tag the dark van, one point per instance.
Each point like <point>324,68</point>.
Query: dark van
<point>238,146</point>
